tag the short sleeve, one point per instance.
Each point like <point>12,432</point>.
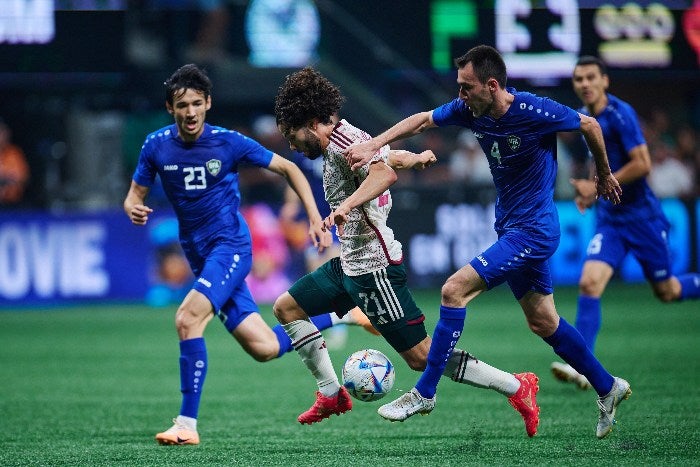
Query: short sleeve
<point>629,128</point>
<point>455,112</point>
<point>145,172</point>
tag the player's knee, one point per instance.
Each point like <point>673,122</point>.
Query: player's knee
<point>541,326</point>
<point>667,291</point>
<point>588,286</point>
<point>665,295</point>
<point>186,320</point>
<point>282,308</point>
<point>451,291</point>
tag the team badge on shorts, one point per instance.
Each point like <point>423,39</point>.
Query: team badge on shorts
<point>214,166</point>
<point>513,142</point>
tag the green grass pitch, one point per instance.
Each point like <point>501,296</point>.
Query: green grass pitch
<point>92,385</point>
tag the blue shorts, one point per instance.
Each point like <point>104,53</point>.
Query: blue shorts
<point>221,278</point>
<point>646,240</point>
<point>519,259</point>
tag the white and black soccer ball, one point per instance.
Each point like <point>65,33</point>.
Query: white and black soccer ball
<point>368,375</point>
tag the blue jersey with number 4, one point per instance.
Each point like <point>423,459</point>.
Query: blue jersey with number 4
<point>201,178</point>
<point>622,132</point>
<point>521,149</point>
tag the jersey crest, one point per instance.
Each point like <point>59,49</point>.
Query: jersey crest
<point>214,166</point>
<point>513,142</point>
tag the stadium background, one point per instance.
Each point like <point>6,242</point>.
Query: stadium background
<point>88,382</point>
<point>82,85</point>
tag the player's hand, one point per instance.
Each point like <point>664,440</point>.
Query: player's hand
<point>359,154</point>
<point>139,214</point>
<point>425,159</point>
<point>585,193</point>
<point>608,187</point>
<point>320,235</point>
<point>339,218</point>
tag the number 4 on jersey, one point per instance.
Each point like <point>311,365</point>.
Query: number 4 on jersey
<point>496,152</point>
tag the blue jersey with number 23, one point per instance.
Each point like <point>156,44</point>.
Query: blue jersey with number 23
<point>201,179</point>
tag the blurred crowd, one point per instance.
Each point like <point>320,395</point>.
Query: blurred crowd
<point>674,149</point>
<point>14,169</point>
<point>675,153</point>
<point>279,248</point>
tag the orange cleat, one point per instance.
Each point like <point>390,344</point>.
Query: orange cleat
<point>178,434</point>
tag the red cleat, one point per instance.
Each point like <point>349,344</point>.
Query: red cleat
<point>525,401</point>
<point>324,407</point>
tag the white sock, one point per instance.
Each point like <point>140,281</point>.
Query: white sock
<point>464,368</point>
<point>188,422</point>
<point>335,320</point>
<point>311,346</point>
<point>347,318</point>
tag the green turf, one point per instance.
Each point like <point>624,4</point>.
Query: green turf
<point>91,386</point>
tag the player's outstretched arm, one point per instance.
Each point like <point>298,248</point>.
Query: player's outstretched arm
<point>296,179</point>
<point>607,185</point>
<point>359,154</point>
<point>401,159</point>
<point>134,204</point>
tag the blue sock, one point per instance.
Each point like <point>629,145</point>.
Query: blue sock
<point>321,321</point>
<point>568,343</point>
<point>588,319</point>
<point>690,286</point>
<point>193,370</point>
<point>447,331</point>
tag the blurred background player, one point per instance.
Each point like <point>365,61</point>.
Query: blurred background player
<point>636,225</point>
<point>370,271</point>
<point>198,166</point>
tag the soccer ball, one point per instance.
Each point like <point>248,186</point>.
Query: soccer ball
<point>368,375</point>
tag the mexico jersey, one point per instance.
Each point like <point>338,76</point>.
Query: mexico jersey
<point>368,244</point>
<point>622,132</point>
<point>521,150</point>
<point>200,178</point>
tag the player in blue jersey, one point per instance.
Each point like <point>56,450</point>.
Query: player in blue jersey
<point>517,132</point>
<point>198,166</point>
<point>637,225</point>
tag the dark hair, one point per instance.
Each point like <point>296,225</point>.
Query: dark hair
<point>591,60</point>
<point>306,94</point>
<point>188,76</point>
<point>487,63</point>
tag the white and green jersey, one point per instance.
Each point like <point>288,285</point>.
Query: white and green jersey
<point>368,244</point>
